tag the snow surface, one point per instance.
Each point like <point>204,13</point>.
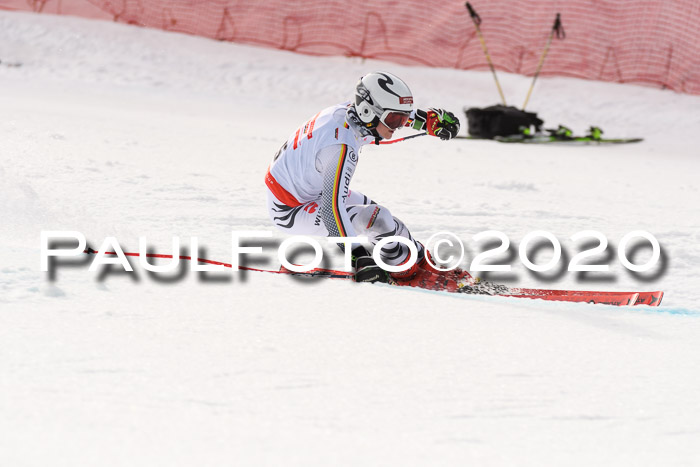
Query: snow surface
<point>113,130</point>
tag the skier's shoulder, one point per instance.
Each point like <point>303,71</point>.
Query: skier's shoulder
<point>337,115</point>
<point>337,128</point>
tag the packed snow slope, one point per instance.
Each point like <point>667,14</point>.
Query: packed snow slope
<point>112,130</point>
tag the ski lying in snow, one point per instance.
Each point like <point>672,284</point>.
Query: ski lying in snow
<point>478,288</point>
<point>489,288</point>
<point>561,134</point>
<point>544,139</point>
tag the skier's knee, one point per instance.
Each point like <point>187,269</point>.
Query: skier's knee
<point>381,221</point>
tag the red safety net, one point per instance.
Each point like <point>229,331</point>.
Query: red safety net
<point>653,42</point>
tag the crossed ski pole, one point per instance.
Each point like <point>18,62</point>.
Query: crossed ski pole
<point>557,29</point>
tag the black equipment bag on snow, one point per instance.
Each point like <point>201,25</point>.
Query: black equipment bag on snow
<point>499,120</point>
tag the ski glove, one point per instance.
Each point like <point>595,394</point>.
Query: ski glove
<point>437,122</point>
<point>366,270</point>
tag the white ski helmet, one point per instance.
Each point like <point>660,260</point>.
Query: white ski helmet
<point>383,97</point>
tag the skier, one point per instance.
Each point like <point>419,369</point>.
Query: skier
<point>309,177</point>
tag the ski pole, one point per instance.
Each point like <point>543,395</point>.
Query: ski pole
<point>477,21</point>
<point>559,30</point>
<point>400,139</point>
<point>90,251</point>
<point>316,272</point>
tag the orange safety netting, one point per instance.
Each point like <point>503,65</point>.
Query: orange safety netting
<point>654,42</point>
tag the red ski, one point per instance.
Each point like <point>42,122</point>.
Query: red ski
<point>610,298</point>
<point>485,288</point>
<point>479,288</point>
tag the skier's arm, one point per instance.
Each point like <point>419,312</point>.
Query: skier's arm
<point>435,122</point>
<point>337,163</point>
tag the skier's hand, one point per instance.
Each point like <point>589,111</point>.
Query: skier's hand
<point>439,122</point>
<point>366,270</point>
<point>442,124</point>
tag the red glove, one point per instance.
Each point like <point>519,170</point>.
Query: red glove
<point>437,122</point>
